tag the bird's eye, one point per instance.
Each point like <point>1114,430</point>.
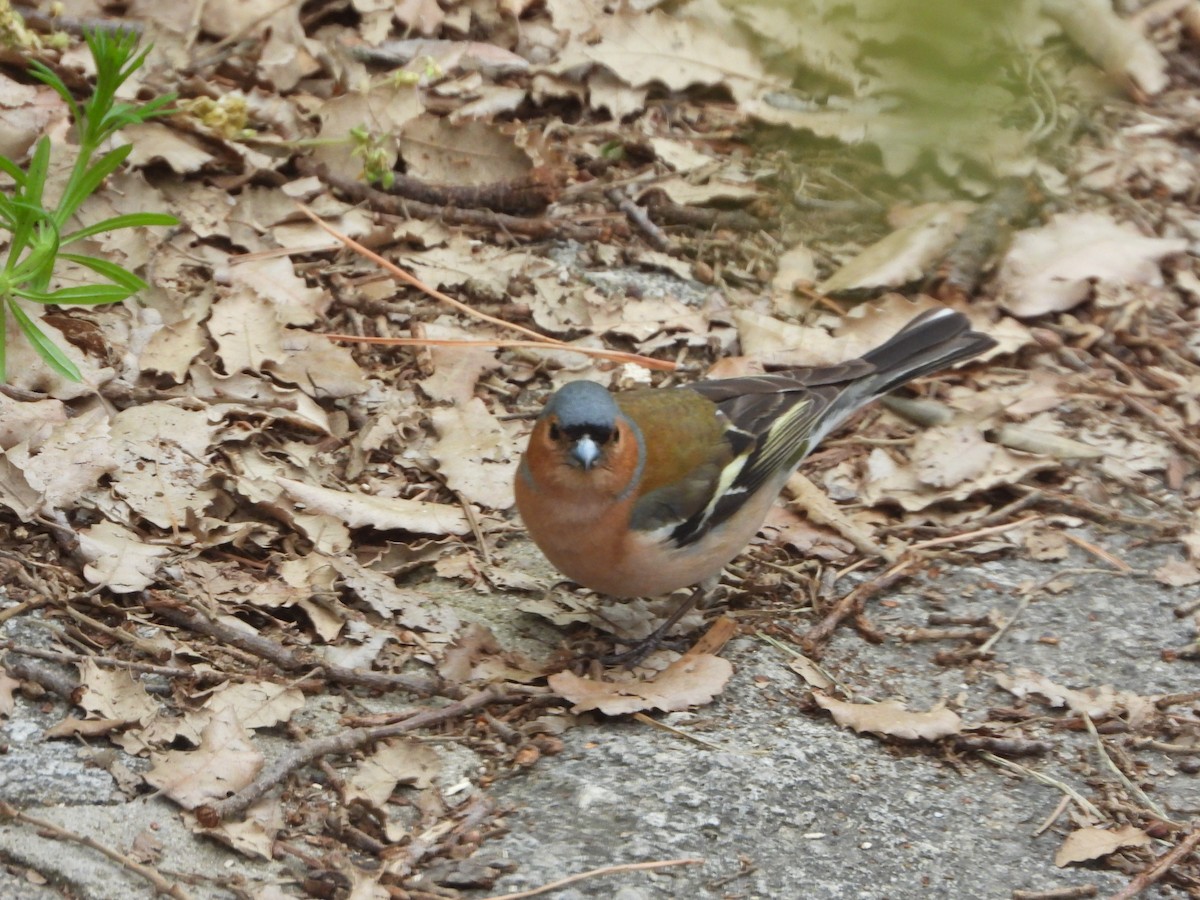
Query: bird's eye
<point>555,433</point>
<point>614,436</point>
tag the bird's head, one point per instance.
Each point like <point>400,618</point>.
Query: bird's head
<point>581,424</point>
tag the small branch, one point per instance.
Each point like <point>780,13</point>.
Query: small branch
<point>640,218</point>
<point>61,684</point>
<point>596,873</point>
<point>852,604</point>
<point>1079,892</point>
<point>160,883</point>
<point>110,662</point>
<point>541,229</point>
<point>971,535</point>
<point>342,742</point>
<point>285,659</point>
<point>1160,868</point>
<point>1134,791</point>
<point>669,213</point>
<point>646,362</point>
<point>1088,807</point>
<point>1002,745</point>
<point>412,280</point>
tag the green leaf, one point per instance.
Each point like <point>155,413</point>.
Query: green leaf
<point>110,270</point>
<point>46,348</point>
<point>38,264</point>
<point>35,173</point>
<point>81,186</point>
<point>3,343</point>
<point>45,74</point>
<point>78,295</point>
<point>12,170</point>
<point>131,220</point>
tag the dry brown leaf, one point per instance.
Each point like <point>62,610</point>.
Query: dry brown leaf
<point>72,728</point>
<point>679,52</point>
<point>1177,573</point>
<point>472,153</point>
<point>29,422</point>
<point>68,462</point>
<point>8,685</point>
<point>119,559</point>
<point>476,453</point>
<point>254,835</point>
<point>1098,702</point>
<point>907,255</point>
<point>689,681</point>
<point>1085,844</point>
<point>382,513</point>
<point>26,112</point>
<point>1057,266</point>
<point>892,719</point>
<point>394,762</point>
<point>114,694</point>
<point>154,141</point>
<point>160,450</point>
<point>899,483</point>
<point>383,110</point>
<point>257,704</point>
<point>1115,44</point>
<point>814,676</point>
<point>224,763</point>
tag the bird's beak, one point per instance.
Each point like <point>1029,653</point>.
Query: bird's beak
<point>584,452</point>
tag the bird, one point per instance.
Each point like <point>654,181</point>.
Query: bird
<point>642,492</point>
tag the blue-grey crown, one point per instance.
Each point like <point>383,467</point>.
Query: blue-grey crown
<point>583,405</point>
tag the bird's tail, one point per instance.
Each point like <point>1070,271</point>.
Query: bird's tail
<point>934,340</point>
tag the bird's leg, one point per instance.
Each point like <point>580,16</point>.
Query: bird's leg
<point>647,645</point>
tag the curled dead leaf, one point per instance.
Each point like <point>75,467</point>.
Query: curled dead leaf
<point>1092,843</point>
<point>689,681</point>
<point>892,719</point>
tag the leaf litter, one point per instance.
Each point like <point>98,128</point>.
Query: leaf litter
<point>272,513</point>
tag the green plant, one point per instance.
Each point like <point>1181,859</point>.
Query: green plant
<point>37,240</point>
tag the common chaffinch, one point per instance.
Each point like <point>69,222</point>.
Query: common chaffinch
<point>647,491</point>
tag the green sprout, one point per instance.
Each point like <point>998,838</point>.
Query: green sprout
<point>37,239</point>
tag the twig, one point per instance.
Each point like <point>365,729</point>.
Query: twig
<point>986,646</point>
<point>595,873</point>
<point>160,883</point>
<point>412,280</point>
<point>851,604</point>
<point>1081,801</point>
<point>61,684</point>
<point>1007,746</point>
<point>986,232</point>
<point>1134,791</point>
<point>1048,822</point>
<point>1095,511</point>
<point>1160,868</point>
<point>1169,700</point>
<point>678,732</point>
<point>540,229</point>
<point>22,607</point>
<point>821,510</point>
<point>640,218</point>
<point>648,362</point>
<point>342,742</point>
<point>264,648</point>
<point>971,535</point>
<point>1098,552</point>
<point>1068,893</point>
<point>670,213</point>
<point>111,662</point>
<point>1172,431</point>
